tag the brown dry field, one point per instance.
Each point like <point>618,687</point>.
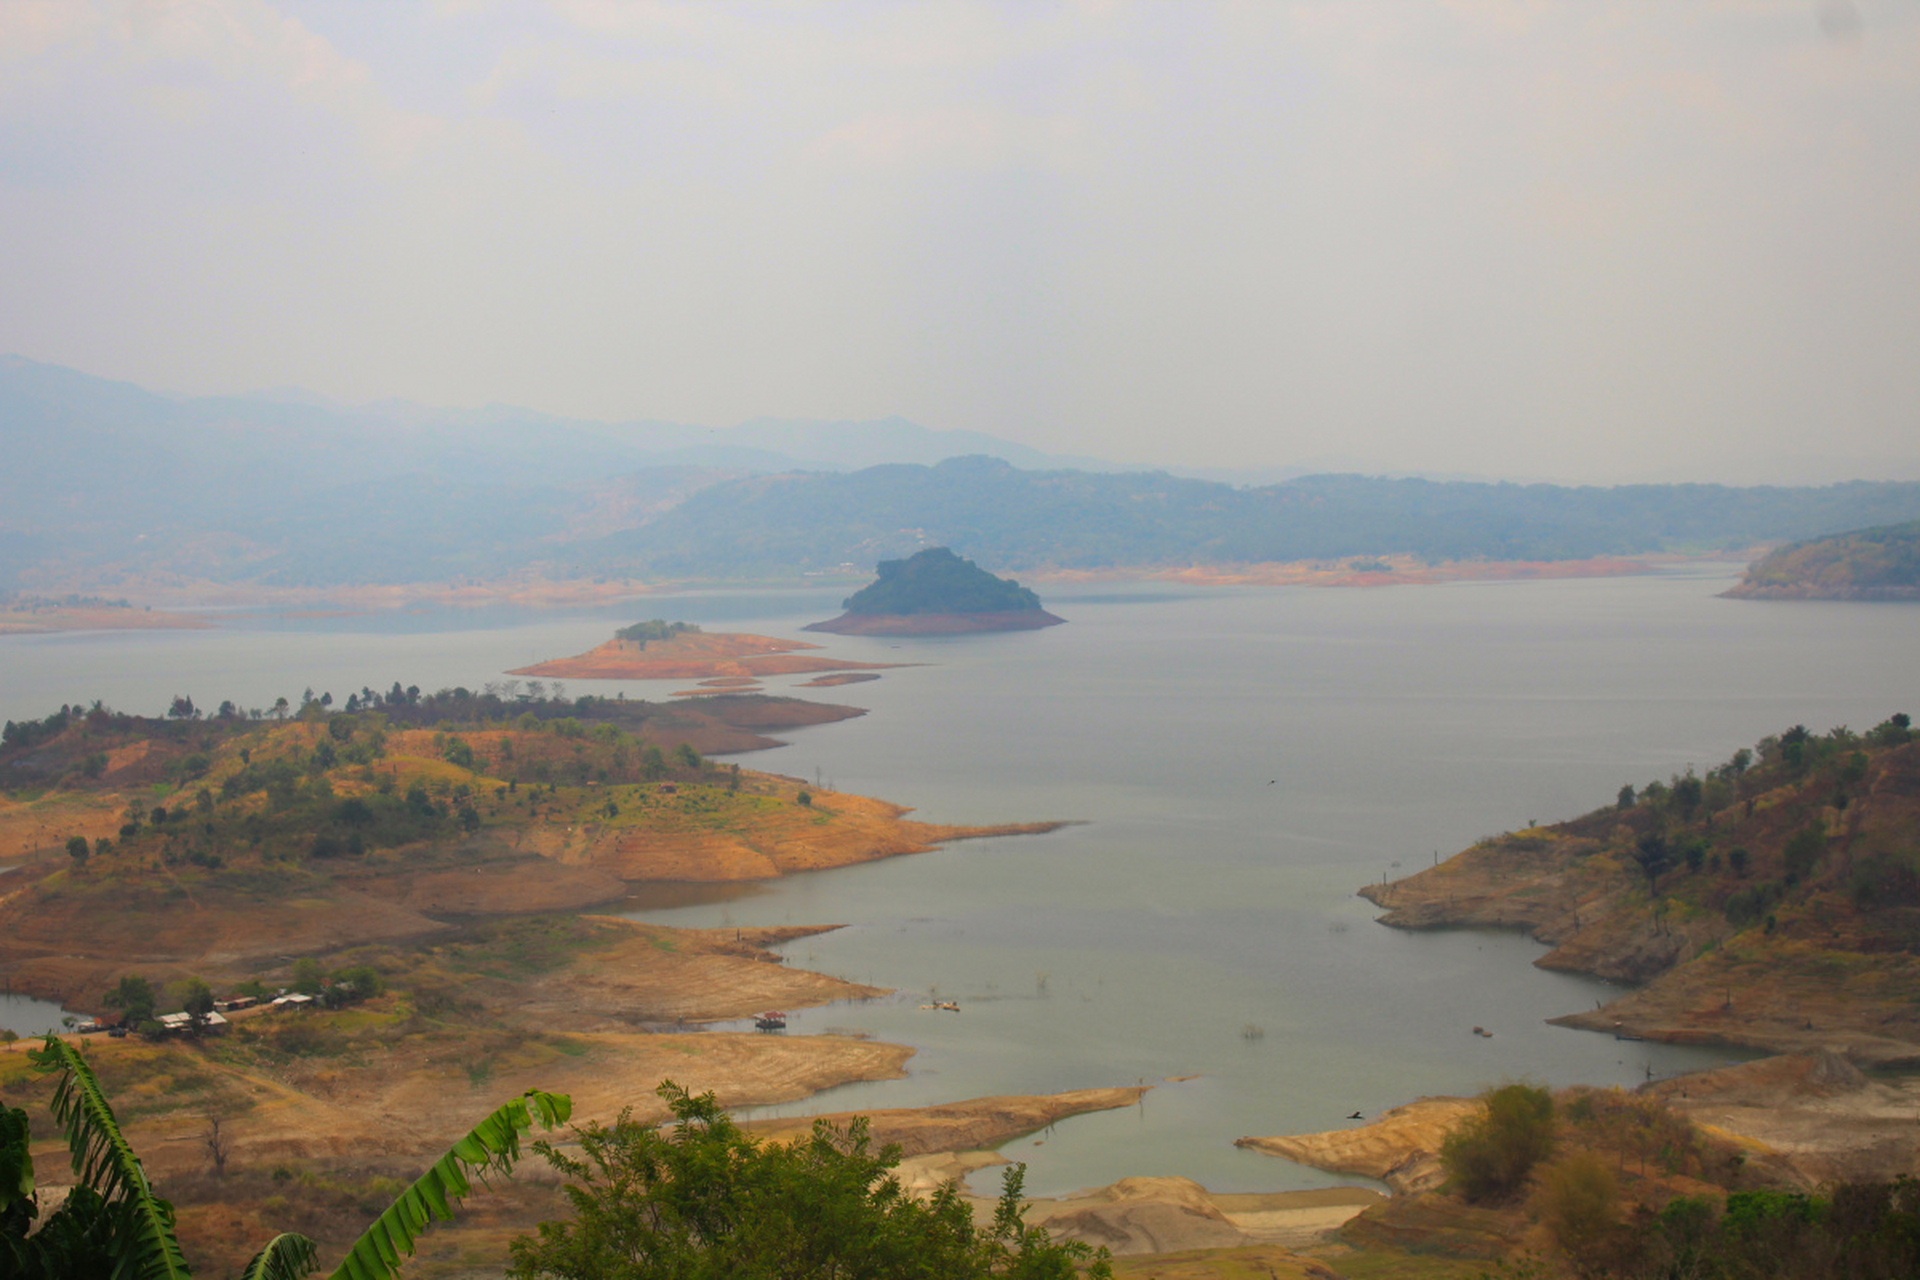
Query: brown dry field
<point>491,996</point>
<point>338,1099</point>
<point>67,938</point>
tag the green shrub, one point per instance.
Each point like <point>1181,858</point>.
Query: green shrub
<point>1751,904</point>
<point>1489,1157</point>
<point>700,1200</point>
<point>1804,851</point>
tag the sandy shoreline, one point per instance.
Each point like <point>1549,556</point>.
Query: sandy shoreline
<point>1368,571</point>
<point>559,593</point>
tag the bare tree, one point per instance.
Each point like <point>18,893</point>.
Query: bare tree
<point>218,1147</point>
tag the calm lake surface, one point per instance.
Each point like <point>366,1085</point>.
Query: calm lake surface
<point>1239,762</point>
<point>25,1016</point>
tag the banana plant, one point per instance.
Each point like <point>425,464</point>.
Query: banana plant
<point>492,1148</point>
<point>113,1224</point>
<point>119,1215</point>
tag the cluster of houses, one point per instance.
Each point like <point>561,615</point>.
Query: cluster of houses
<point>178,1023</point>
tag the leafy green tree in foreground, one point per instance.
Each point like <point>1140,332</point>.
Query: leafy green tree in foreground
<point>705,1201</point>
<point>113,1225</point>
<point>134,998</point>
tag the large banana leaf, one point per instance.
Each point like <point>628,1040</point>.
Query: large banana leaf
<point>288,1256</point>
<point>144,1246</point>
<point>492,1147</point>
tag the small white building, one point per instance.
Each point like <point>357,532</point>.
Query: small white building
<point>184,1022</point>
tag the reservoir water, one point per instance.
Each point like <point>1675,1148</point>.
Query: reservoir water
<point>1238,762</point>
<point>25,1016</point>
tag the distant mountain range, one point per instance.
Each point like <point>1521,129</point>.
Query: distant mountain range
<point>1023,520</point>
<point>107,484</point>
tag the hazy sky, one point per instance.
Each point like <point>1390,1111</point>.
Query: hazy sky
<point>1577,239</point>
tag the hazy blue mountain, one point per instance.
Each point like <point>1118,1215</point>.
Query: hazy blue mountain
<point>71,434</point>
<point>287,486</point>
<point>104,479</point>
<point>851,446</point>
<point>1013,519</point>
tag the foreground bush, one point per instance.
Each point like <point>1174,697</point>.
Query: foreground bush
<point>1857,1231</point>
<point>705,1201</point>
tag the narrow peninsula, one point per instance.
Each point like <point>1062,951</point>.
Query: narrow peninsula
<point>658,650</point>
<point>1772,903</point>
<point>936,592</point>
<point>1882,563</point>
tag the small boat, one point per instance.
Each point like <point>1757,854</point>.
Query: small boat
<point>771,1020</point>
<point>1482,1031</point>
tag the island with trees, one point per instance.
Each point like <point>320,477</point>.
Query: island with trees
<point>935,592</point>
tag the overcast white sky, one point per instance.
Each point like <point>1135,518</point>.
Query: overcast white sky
<point>1579,239</point>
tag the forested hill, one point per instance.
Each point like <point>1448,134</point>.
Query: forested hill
<point>1871,564</point>
<point>1014,519</point>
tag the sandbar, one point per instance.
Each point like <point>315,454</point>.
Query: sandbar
<point>693,655</point>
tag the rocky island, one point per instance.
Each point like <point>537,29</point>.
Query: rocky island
<point>936,592</point>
